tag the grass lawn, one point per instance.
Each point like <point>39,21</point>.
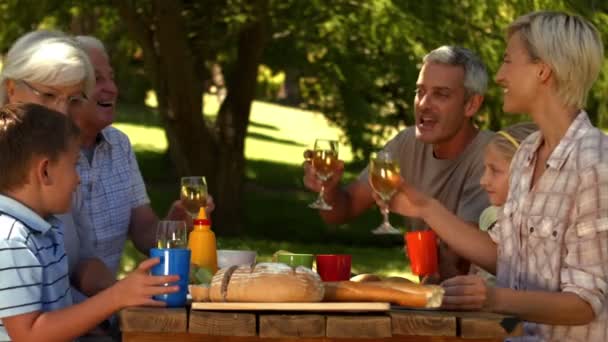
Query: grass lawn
<point>276,214</point>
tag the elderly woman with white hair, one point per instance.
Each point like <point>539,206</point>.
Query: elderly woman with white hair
<point>50,69</point>
<point>47,68</point>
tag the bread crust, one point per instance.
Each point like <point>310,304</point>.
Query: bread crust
<point>400,293</point>
<point>266,282</point>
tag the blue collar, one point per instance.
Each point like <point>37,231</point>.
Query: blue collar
<point>26,215</point>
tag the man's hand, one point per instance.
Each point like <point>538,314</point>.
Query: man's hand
<point>139,287</point>
<point>468,292</point>
<point>312,182</point>
<point>178,212</point>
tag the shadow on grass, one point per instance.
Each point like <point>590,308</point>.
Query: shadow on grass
<point>262,125</point>
<point>276,205</point>
<point>266,137</point>
<point>137,114</point>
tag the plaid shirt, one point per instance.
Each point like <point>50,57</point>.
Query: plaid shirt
<point>110,187</point>
<point>555,237</point>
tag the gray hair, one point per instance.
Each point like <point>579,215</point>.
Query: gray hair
<point>91,43</point>
<point>47,57</point>
<point>569,44</point>
<point>475,71</point>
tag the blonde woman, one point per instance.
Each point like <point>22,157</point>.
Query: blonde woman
<point>549,247</point>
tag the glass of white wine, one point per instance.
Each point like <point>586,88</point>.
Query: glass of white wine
<point>171,234</point>
<point>193,194</point>
<point>384,177</point>
<point>324,161</point>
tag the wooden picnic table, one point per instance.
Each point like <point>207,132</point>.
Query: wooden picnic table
<point>183,324</point>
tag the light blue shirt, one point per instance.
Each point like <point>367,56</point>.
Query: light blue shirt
<point>33,263</point>
<point>111,186</point>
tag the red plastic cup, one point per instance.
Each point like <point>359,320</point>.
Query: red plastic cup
<point>422,250</point>
<point>334,267</point>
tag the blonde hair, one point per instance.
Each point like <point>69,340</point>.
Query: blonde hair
<point>569,44</point>
<point>507,141</point>
<point>47,57</point>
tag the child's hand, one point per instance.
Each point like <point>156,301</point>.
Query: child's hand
<point>139,287</point>
<point>467,292</point>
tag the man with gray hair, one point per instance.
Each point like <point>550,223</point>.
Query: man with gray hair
<point>442,154</point>
<point>113,204</point>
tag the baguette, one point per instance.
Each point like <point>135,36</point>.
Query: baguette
<point>266,282</point>
<point>411,295</point>
<point>365,277</point>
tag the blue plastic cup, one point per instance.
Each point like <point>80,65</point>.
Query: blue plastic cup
<point>173,261</point>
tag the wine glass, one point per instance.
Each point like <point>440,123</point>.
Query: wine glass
<point>324,160</point>
<point>384,178</point>
<point>193,194</point>
<point>171,234</point>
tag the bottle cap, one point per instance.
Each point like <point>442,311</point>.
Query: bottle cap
<point>202,222</point>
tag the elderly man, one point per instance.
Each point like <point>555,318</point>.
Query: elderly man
<point>442,154</point>
<point>111,201</point>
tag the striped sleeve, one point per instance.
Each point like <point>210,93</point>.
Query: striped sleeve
<point>21,277</point>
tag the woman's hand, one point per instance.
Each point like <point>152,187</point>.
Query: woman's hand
<point>406,201</point>
<point>468,292</point>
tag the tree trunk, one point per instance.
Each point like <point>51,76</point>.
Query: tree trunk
<point>194,147</point>
<point>191,143</point>
<point>233,120</point>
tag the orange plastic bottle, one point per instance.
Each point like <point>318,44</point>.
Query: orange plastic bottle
<point>202,243</point>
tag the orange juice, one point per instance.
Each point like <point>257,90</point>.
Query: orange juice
<point>202,243</point>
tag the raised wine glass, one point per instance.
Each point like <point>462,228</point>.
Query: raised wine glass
<point>193,194</point>
<point>324,160</point>
<point>171,234</point>
<point>384,178</point>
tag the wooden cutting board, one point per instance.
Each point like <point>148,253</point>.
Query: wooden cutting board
<point>323,306</point>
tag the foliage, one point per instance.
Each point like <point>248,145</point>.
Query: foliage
<point>358,61</point>
<point>355,61</point>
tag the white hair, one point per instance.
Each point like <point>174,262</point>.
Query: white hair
<point>91,43</point>
<point>475,72</point>
<point>569,44</point>
<point>47,57</point>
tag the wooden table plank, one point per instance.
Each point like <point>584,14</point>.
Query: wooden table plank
<point>147,319</point>
<point>291,326</point>
<point>424,323</point>
<point>222,323</point>
<point>488,325</point>
<point>188,337</point>
<point>321,307</point>
<point>358,326</point>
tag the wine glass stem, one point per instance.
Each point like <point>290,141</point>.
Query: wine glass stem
<point>322,192</point>
<point>385,214</point>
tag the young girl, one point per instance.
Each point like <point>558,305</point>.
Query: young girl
<point>549,247</point>
<point>495,179</point>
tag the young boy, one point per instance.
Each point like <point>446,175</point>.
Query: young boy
<point>39,149</point>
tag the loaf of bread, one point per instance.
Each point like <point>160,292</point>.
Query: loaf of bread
<point>199,293</point>
<point>266,282</point>
<point>396,292</point>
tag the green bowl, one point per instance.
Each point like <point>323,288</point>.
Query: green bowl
<point>295,260</point>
